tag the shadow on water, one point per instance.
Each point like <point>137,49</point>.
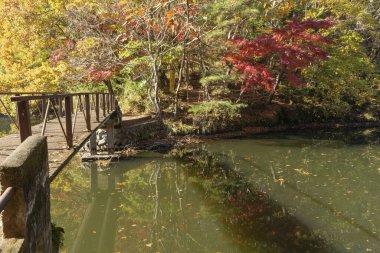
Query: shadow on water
<point>98,227</point>
<point>247,213</point>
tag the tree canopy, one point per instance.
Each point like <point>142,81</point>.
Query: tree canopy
<point>160,55</point>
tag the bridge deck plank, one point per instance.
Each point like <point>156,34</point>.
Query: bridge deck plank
<point>58,151</point>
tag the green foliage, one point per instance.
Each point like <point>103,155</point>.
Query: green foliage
<point>216,116</point>
<point>216,79</point>
<point>134,97</point>
<point>179,128</point>
<point>57,235</point>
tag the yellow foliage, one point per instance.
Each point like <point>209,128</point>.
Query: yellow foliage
<point>28,36</point>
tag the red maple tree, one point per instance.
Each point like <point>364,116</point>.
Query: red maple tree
<point>284,52</point>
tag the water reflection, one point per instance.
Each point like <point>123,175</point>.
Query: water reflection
<point>290,194</point>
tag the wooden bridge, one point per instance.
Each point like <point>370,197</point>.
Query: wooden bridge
<point>68,121</point>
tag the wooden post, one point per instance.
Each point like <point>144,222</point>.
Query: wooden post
<point>81,104</point>
<point>110,138</point>
<point>88,111</point>
<point>108,103</point>
<point>72,105</point>
<point>97,107</point>
<point>23,117</point>
<point>69,122</point>
<point>43,108</point>
<point>104,104</point>
<point>60,109</point>
<point>93,144</point>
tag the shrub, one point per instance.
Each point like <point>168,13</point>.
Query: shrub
<point>216,116</point>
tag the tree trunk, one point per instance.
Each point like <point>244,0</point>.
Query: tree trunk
<point>109,86</point>
<point>179,83</point>
<point>278,78</point>
<point>155,86</point>
<point>183,62</point>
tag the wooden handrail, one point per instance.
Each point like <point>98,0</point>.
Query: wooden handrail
<point>26,93</point>
<point>39,97</point>
<point>6,197</point>
<point>53,100</point>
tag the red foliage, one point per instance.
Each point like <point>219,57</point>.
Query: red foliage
<point>293,47</point>
<point>100,75</point>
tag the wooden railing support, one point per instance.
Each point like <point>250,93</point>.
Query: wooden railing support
<point>112,102</point>
<point>72,105</point>
<point>60,109</point>
<point>108,102</point>
<point>97,107</point>
<point>23,117</point>
<point>62,105</point>
<point>88,111</point>
<point>69,122</point>
<point>43,109</point>
<point>104,105</point>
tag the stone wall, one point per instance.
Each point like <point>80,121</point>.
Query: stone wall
<point>27,215</point>
<point>134,135</point>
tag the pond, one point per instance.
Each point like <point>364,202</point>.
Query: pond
<point>290,192</point>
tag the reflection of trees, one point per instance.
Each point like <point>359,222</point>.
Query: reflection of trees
<point>69,198</point>
<point>324,177</point>
<point>85,210</point>
<point>157,208</point>
<point>250,215</point>
<point>201,203</point>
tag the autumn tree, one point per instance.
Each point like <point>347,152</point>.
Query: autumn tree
<point>284,52</point>
<point>30,30</point>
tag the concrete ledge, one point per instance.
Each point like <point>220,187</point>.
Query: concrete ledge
<point>12,245</point>
<point>27,215</point>
<point>24,152</point>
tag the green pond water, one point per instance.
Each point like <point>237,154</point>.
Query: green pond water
<point>291,192</point>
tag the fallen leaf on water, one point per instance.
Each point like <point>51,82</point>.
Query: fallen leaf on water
<point>303,172</point>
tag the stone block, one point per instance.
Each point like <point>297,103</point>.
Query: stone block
<point>27,216</point>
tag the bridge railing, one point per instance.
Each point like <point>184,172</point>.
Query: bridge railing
<point>63,107</point>
<point>6,197</point>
